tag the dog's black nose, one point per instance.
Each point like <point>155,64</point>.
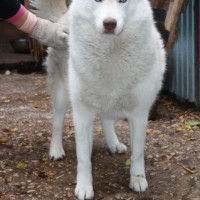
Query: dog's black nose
<point>109,25</point>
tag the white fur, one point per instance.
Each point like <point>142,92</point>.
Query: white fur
<point>113,76</point>
<point>48,9</point>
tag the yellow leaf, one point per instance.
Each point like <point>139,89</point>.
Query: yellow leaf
<point>14,130</point>
<point>3,140</point>
<point>99,131</point>
<point>152,131</point>
<point>24,143</point>
<point>21,165</point>
<point>37,106</point>
<point>149,131</point>
<point>128,162</point>
<point>31,101</point>
<point>184,128</point>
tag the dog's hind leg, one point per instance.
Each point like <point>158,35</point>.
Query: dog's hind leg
<point>58,87</point>
<point>60,104</point>
<point>111,138</point>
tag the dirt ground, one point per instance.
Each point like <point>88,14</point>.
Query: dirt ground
<point>172,153</point>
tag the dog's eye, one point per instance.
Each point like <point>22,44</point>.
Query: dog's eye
<point>98,0</point>
<point>122,1</point>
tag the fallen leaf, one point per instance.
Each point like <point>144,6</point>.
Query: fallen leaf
<point>2,165</point>
<point>1,194</point>
<point>69,194</point>
<point>184,128</point>
<point>99,131</point>
<point>36,106</point>
<point>47,172</point>
<point>187,169</point>
<point>45,159</point>
<point>152,131</point>
<point>31,101</point>
<point>21,165</point>
<point>3,140</point>
<point>128,162</point>
<point>193,123</point>
<point>6,130</point>
<point>24,143</point>
<point>192,139</point>
<point>7,101</point>
<point>14,130</point>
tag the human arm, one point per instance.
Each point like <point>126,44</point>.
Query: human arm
<point>46,32</point>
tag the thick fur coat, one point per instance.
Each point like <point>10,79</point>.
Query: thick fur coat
<point>116,67</point>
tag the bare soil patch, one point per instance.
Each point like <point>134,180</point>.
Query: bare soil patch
<point>172,150</point>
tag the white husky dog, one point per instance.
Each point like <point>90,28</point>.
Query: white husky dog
<point>116,66</point>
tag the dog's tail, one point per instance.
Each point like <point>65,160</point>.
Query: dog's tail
<point>52,10</point>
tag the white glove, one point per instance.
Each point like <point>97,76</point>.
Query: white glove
<point>51,34</point>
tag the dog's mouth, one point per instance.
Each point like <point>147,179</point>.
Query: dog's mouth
<point>109,32</point>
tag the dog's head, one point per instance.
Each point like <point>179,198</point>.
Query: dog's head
<point>107,16</point>
<point>110,15</point>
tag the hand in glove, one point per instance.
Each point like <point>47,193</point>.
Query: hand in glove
<point>51,34</point>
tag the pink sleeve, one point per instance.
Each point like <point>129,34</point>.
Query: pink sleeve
<point>17,16</point>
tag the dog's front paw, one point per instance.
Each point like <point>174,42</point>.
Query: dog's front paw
<point>84,192</point>
<point>138,183</point>
<point>56,151</point>
<point>118,148</point>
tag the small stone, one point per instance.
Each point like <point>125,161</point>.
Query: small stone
<point>7,72</point>
<point>152,174</point>
<point>31,191</point>
<point>165,147</point>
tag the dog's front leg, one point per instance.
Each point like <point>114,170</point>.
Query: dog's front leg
<point>83,121</point>
<point>137,124</point>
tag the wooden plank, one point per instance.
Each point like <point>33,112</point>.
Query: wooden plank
<point>173,9</point>
<point>173,12</point>
<point>171,21</point>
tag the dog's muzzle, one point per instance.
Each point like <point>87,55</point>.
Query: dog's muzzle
<point>109,25</point>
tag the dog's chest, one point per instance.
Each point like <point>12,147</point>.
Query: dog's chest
<point>108,103</point>
<point>108,91</point>
<point>109,74</point>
